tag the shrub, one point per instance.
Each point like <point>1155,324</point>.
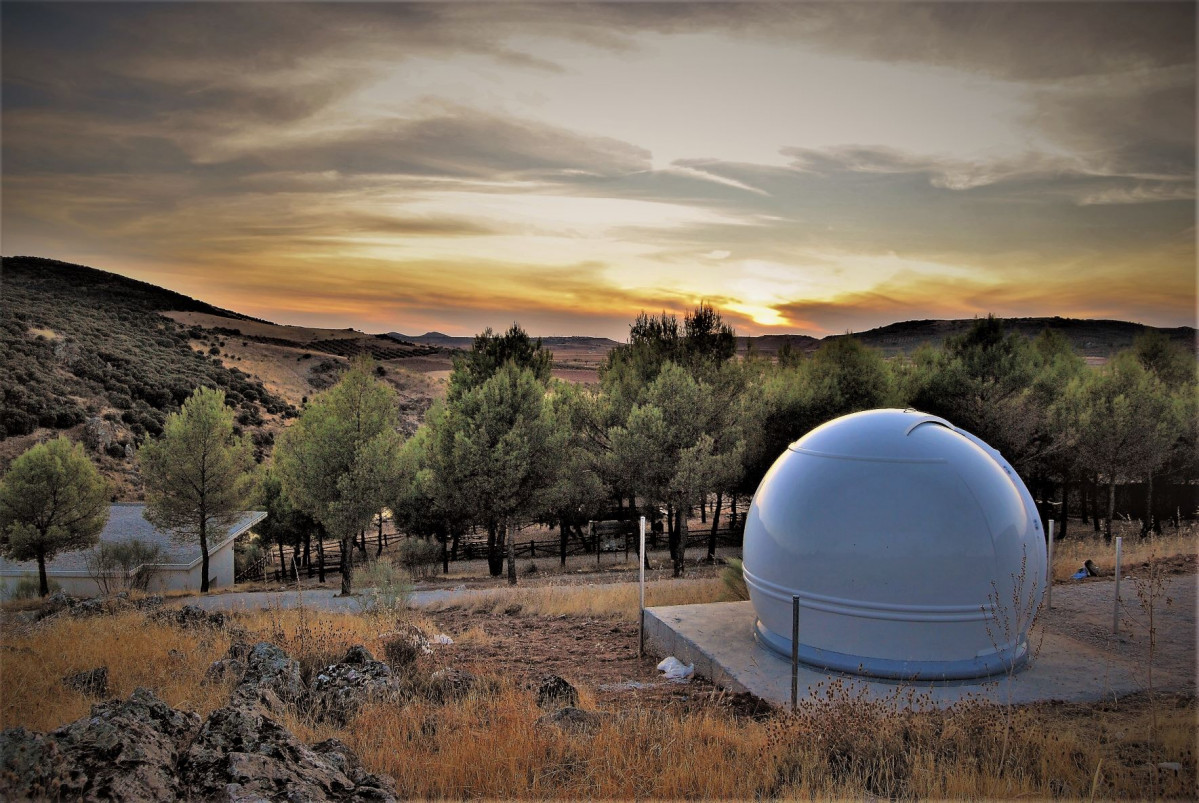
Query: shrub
<point>123,565</point>
<point>389,586</point>
<point>419,557</point>
<point>27,587</point>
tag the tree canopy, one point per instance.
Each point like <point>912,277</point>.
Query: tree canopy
<point>52,500</point>
<point>197,473</point>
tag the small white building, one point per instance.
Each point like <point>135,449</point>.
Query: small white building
<point>178,571</point>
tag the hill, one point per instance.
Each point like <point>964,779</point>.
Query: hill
<point>106,358</point>
<point>1091,338</point>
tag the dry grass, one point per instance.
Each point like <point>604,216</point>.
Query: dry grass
<point>488,744</point>
<point>1069,553</point>
<point>136,651</point>
<point>614,601</point>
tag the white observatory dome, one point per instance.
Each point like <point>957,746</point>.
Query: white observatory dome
<point>915,550</point>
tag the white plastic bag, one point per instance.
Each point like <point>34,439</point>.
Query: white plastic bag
<point>675,669</point>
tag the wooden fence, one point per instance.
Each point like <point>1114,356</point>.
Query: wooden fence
<point>606,539</point>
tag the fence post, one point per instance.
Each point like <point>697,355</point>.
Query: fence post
<point>532,549</point>
<point>1116,601</point>
<point>794,652</point>
<point>1049,578</point>
<point>641,585</point>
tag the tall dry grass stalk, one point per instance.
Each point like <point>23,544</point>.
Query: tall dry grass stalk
<point>136,651</point>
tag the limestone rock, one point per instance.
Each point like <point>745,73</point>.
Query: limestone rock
<point>271,678</point>
<point>126,750</point>
<point>241,753</point>
<point>340,690</point>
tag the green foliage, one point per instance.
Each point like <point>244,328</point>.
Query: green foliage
<point>419,557</point>
<point>197,474</point>
<point>491,352</point>
<point>339,461</point>
<point>52,499</point>
<point>109,342</point>
<point>732,576</point>
<point>390,587</point>
<point>123,565</point>
<point>29,587</point>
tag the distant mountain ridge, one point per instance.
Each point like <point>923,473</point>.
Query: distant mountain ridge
<point>452,342</point>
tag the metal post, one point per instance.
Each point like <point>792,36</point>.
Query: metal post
<point>641,585</point>
<point>794,652</point>
<point>1049,578</point>
<point>1116,602</point>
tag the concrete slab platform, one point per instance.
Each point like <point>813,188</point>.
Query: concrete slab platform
<point>719,639</point>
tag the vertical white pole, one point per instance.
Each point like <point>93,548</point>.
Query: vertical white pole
<point>641,585</point>
<point>794,651</point>
<point>1116,601</point>
<point>1049,574</point>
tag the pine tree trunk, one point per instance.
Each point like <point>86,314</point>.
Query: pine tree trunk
<point>681,547</point>
<point>1065,508</point>
<point>203,556</point>
<point>1095,517</point>
<point>511,533</point>
<point>1147,526</point>
<point>703,510</point>
<point>43,585</point>
<point>715,526</point>
<point>379,550</point>
<point>495,553</point>
<point>562,541</point>
<point>320,556</point>
<point>308,550</point>
<point>672,531</point>
<point>347,565</point>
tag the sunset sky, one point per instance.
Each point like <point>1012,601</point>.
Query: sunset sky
<point>803,167</point>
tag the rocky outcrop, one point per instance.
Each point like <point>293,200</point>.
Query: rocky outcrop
<point>141,749</point>
<point>340,690</point>
<point>126,750</point>
<point>242,753</point>
<point>271,677</point>
<point>62,603</point>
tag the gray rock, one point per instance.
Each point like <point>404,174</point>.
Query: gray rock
<point>243,754</point>
<point>555,692</point>
<point>93,682</point>
<point>126,750</point>
<point>271,678</point>
<point>340,690</point>
<point>32,767</point>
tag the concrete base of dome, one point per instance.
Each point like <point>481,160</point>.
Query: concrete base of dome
<point>719,638</point>
<point>980,668</point>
